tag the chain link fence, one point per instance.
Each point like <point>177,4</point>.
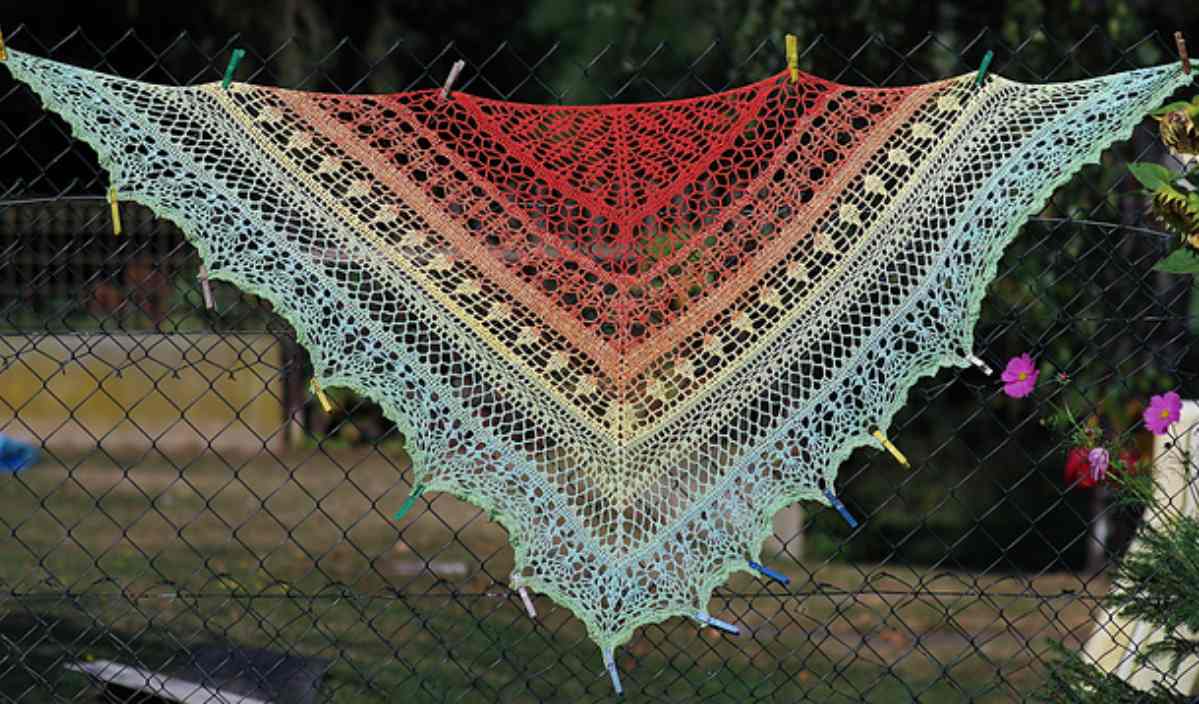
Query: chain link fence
<point>196,514</point>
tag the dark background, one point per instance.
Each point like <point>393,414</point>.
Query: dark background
<point>1071,295</point>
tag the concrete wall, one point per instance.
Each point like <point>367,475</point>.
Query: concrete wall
<point>182,394</point>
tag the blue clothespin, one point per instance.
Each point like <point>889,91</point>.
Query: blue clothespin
<point>716,623</point>
<point>832,499</point>
<point>610,666</point>
<point>410,501</point>
<point>982,68</point>
<point>16,456</point>
<point>233,59</point>
<point>769,573</point>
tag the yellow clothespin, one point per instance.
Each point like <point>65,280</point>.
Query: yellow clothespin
<point>878,435</point>
<point>793,57</point>
<point>320,395</point>
<point>116,210</point>
<point>3,49</point>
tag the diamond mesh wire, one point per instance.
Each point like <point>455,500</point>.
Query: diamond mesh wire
<point>193,493</point>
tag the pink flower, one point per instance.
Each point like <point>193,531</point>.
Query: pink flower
<point>1164,410</point>
<point>1020,376</point>
<point>1099,459</point>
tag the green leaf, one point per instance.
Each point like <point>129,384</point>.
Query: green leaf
<point>1152,176</point>
<point>1171,107</point>
<point>1182,261</point>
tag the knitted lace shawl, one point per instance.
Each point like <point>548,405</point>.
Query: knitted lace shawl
<point>633,332</point>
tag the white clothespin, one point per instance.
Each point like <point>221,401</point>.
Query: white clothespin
<point>980,364</point>
<point>449,81</point>
<point>524,596</point>
<point>205,288</point>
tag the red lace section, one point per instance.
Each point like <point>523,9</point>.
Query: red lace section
<point>624,216</point>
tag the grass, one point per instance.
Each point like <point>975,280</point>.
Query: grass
<point>135,561</point>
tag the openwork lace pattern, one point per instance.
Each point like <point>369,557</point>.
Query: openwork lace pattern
<point>633,332</point>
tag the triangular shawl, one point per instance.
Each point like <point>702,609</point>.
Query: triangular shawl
<point>634,332</point>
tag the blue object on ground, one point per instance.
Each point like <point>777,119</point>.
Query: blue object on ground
<point>16,455</point>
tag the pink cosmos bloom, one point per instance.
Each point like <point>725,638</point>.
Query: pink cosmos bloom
<point>1099,459</point>
<point>1020,376</point>
<point>1163,411</point>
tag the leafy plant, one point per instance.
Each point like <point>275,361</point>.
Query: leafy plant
<point>1175,194</point>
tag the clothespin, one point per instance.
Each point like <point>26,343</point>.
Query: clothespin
<point>716,623</point>
<point>836,503</point>
<point>1182,52</point>
<point>524,596</point>
<point>878,435</point>
<point>116,210</point>
<point>233,59</point>
<point>449,81</point>
<point>3,48</point>
<point>982,68</point>
<point>206,289</point>
<point>315,385</point>
<point>410,501</point>
<point>793,56</point>
<point>610,666</point>
<point>769,573</point>
<point>986,369</point>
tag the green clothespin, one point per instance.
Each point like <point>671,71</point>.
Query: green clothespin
<point>410,501</point>
<point>982,68</point>
<point>233,59</point>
